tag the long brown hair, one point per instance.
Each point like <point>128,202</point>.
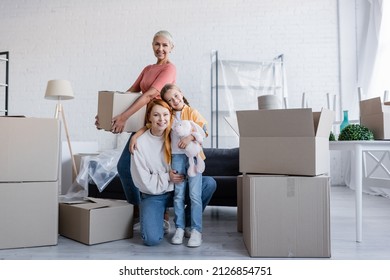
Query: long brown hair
<point>167,139</point>
<point>168,87</point>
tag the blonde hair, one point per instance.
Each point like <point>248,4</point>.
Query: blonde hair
<point>167,139</point>
<point>166,35</point>
<point>169,87</point>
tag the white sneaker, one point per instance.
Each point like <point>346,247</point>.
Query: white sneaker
<point>187,232</point>
<point>167,227</point>
<point>177,238</point>
<point>195,239</point>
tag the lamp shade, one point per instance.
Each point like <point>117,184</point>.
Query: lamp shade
<point>59,89</point>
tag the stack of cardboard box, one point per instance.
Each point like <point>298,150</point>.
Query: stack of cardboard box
<point>284,191</point>
<point>30,212</point>
<point>29,172</point>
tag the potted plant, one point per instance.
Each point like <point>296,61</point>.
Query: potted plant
<point>355,132</point>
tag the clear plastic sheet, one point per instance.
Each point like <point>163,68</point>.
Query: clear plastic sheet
<point>236,85</point>
<point>99,169</point>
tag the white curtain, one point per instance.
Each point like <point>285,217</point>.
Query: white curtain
<point>380,75</point>
<point>373,55</point>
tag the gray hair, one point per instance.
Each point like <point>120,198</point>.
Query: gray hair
<point>166,35</point>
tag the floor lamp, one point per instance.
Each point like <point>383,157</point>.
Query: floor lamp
<point>61,90</point>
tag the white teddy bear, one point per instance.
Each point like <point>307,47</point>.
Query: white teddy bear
<point>184,128</point>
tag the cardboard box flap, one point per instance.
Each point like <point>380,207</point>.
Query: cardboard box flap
<point>373,106</point>
<point>93,203</point>
<point>323,122</point>
<point>276,123</point>
<point>111,91</point>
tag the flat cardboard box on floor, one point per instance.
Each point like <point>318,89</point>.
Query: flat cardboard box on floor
<point>96,220</point>
<point>286,216</point>
<point>113,103</point>
<point>375,115</point>
<point>28,214</point>
<point>29,150</point>
<point>285,141</point>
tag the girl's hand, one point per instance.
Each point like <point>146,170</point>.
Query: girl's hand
<point>185,141</point>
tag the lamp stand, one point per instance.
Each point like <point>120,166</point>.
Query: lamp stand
<point>60,113</point>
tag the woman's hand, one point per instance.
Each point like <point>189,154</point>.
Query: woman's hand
<point>118,124</point>
<point>97,122</point>
<point>175,177</point>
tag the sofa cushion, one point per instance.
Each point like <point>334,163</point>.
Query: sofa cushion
<point>221,162</point>
<point>226,192</point>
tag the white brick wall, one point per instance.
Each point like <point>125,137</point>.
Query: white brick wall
<point>100,45</point>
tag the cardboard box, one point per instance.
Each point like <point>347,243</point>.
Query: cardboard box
<point>285,141</point>
<point>375,115</point>
<point>286,216</point>
<point>96,220</point>
<point>29,150</point>
<point>28,214</point>
<point>239,203</point>
<point>113,103</point>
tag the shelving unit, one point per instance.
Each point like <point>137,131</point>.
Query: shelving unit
<point>235,85</point>
<point>4,86</point>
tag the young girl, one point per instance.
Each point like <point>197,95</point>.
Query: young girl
<point>182,111</point>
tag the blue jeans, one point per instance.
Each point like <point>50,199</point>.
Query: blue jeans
<point>180,164</point>
<point>131,191</point>
<point>152,209</point>
<point>133,196</point>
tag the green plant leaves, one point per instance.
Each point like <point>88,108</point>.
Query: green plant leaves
<point>355,132</point>
<point>332,137</point>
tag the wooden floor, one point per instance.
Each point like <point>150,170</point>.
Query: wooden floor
<point>222,241</point>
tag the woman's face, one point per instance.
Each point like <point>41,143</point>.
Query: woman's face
<point>175,99</point>
<point>159,118</point>
<point>161,48</point>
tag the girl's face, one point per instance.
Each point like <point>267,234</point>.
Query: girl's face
<point>175,99</point>
<point>159,118</point>
<point>161,48</point>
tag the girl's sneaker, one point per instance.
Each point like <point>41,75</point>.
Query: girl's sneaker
<point>195,239</point>
<point>177,238</point>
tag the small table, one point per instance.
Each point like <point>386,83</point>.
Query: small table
<point>357,147</point>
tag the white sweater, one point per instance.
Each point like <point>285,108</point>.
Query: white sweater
<point>149,170</point>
